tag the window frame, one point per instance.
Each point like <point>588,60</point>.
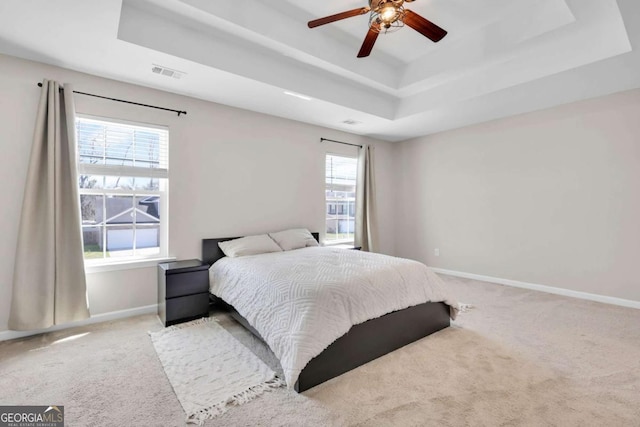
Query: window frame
<point>104,170</point>
<point>338,204</point>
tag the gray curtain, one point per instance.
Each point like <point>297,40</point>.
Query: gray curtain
<point>365,233</point>
<point>49,285</point>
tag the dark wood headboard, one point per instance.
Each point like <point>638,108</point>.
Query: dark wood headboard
<point>211,252</point>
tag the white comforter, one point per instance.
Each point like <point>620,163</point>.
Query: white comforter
<point>301,301</point>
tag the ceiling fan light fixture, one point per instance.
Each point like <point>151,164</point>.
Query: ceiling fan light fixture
<point>387,21</point>
<point>386,15</point>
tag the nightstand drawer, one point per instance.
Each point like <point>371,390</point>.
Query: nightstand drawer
<point>193,282</point>
<point>183,291</point>
<point>187,307</point>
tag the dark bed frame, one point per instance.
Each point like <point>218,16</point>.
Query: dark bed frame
<point>364,342</point>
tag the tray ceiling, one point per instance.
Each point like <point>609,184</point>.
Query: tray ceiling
<point>501,57</point>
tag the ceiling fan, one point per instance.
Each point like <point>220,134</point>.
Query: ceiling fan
<point>386,16</point>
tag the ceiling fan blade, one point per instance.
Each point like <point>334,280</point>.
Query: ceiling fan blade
<point>423,26</point>
<point>369,41</point>
<point>338,17</point>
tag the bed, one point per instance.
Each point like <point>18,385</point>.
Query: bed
<point>361,342</point>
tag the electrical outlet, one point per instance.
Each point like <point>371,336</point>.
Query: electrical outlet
<point>437,251</point>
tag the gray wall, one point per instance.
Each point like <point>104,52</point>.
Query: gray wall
<point>232,172</point>
<point>550,197</point>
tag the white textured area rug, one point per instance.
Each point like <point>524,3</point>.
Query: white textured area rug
<point>209,369</point>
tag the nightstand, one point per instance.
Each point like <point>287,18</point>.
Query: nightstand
<point>183,291</point>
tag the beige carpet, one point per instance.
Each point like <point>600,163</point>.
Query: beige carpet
<point>517,358</point>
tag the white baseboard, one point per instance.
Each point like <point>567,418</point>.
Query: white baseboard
<point>98,318</point>
<point>542,288</point>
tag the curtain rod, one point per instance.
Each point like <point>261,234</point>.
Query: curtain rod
<point>127,102</point>
<point>340,142</point>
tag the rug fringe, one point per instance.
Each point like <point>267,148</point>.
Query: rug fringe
<point>238,399</point>
<point>463,308</point>
<point>179,326</point>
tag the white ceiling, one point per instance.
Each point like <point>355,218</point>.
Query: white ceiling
<point>501,57</point>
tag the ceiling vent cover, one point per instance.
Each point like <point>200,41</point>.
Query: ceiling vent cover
<point>164,71</point>
<point>351,122</point>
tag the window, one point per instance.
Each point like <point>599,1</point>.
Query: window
<point>341,175</point>
<point>122,179</point>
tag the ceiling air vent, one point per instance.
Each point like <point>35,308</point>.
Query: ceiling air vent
<point>351,122</point>
<point>159,69</point>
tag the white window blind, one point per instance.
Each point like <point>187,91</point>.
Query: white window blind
<point>114,148</point>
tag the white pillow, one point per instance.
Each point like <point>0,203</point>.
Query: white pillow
<point>250,245</point>
<point>294,238</point>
